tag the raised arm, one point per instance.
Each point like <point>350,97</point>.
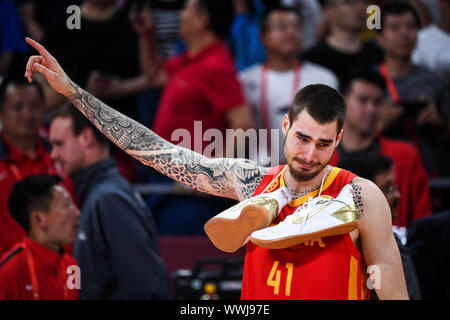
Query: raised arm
<point>232,178</point>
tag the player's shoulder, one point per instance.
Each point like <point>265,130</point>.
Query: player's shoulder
<point>366,188</point>
<point>371,203</point>
<point>363,182</point>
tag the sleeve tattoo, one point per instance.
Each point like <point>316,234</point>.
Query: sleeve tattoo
<point>227,177</point>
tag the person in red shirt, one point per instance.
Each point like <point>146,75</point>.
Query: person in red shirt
<point>23,152</point>
<point>364,94</point>
<point>201,98</point>
<point>38,268</point>
<point>201,83</point>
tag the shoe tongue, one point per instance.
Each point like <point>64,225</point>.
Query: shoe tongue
<point>305,207</point>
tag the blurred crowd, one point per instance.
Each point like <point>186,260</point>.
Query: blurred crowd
<point>232,64</point>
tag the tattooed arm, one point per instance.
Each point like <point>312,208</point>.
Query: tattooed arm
<point>379,247</point>
<point>232,178</point>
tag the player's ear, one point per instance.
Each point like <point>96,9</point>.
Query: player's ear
<point>339,137</point>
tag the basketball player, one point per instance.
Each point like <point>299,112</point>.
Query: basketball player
<point>324,268</point>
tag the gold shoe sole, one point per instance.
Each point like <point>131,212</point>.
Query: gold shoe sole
<point>230,234</point>
<point>287,242</point>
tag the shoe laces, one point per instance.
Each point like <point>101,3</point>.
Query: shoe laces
<point>304,210</point>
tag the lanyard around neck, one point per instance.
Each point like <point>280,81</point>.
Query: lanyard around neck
<point>32,271</point>
<point>389,83</point>
<point>33,275</point>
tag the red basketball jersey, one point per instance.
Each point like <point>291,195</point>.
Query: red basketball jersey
<point>322,268</point>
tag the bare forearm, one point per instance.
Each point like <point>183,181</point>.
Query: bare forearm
<point>233,178</point>
<point>392,285</point>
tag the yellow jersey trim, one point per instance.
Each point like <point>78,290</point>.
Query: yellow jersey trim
<point>328,181</point>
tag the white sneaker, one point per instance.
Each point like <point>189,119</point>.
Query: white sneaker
<point>231,229</point>
<point>318,217</point>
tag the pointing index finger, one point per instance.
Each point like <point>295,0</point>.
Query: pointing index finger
<point>44,53</point>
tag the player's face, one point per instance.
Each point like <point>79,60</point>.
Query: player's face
<point>309,145</point>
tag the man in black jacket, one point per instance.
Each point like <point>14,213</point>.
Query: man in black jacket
<point>117,245</point>
<point>428,243</point>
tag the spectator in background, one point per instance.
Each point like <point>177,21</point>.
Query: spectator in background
<point>311,14</point>
<point>40,16</point>
<point>380,170</point>
<point>23,152</point>
<point>244,35</point>
<point>428,243</point>
<point>109,62</point>
<point>420,111</point>
<point>166,17</point>
<point>342,51</point>
<point>433,9</point>
<point>245,31</point>
<point>365,94</point>
<point>117,245</point>
<point>433,45</point>
<point>108,65</point>
<point>11,36</point>
<point>271,86</point>
<point>200,83</point>
<point>37,267</point>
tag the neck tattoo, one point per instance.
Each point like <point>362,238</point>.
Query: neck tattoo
<point>298,193</point>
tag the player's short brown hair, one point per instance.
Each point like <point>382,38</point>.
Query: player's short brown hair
<point>322,102</point>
